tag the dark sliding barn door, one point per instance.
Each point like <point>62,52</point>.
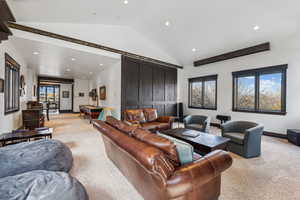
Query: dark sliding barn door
<point>147,85</point>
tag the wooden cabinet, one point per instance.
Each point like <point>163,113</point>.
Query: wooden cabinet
<point>148,85</point>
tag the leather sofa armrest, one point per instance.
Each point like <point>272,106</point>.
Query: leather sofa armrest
<point>166,119</point>
<point>192,176</point>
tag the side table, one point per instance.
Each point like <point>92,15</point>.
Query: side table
<point>294,136</point>
<point>223,118</point>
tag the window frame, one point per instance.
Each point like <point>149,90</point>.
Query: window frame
<point>203,79</point>
<point>257,73</point>
<point>11,65</point>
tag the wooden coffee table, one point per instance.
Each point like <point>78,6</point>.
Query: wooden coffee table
<point>203,144</point>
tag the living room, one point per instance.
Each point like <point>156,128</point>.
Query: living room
<point>154,100</point>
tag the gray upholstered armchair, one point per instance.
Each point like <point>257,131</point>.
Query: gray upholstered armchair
<point>245,137</point>
<point>197,122</point>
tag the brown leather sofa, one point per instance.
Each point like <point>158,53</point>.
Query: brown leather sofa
<point>148,119</point>
<point>149,162</point>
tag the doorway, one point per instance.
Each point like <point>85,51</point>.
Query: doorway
<point>49,95</point>
<point>56,94</point>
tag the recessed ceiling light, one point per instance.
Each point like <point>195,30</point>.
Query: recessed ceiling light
<point>167,23</point>
<point>194,49</point>
<point>68,70</point>
<point>256,28</point>
<point>73,59</point>
<point>91,72</point>
<point>101,64</point>
<point>126,2</point>
<point>36,53</point>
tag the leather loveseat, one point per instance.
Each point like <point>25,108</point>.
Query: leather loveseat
<point>148,119</point>
<point>150,163</point>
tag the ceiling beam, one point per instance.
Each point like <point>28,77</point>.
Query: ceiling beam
<point>54,79</point>
<point>234,54</point>
<point>89,44</point>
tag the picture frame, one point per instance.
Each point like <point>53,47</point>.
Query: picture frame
<point>1,85</point>
<point>81,94</point>
<point>102,92</point>
<point>66,94</point>
<point>22,85</point>
<point>34,90</point>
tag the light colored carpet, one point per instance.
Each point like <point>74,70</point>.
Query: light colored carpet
<point>273,176</point>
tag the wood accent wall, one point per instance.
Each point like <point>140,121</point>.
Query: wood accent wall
<point>148,85</point>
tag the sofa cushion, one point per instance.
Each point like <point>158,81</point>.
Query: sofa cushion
<point>185,150</point>
<point>151,125</point>
<point>51,155</point>
<point>165,145</point>
<point>135,115</point>
<point>120,125</point>
<point>150,114</point>
<point>235,137</point>
<point>42,185</point>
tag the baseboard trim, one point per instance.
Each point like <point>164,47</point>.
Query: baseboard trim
<point>66,111</point>
<point>276,135</point>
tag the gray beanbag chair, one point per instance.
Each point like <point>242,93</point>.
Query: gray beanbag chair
<point>42,185</point>
<point>49,155</point>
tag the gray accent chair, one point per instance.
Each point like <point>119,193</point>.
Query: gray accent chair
<point>197,122</point>
<point>245,137</point>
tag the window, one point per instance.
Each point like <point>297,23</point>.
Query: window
<point>260,90</point>
<point>49,93</point>
<point>12,85</point>
<point>203,92</point>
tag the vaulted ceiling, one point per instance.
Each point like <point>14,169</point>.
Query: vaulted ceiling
<point>59,61</point>
<point>210,26</point>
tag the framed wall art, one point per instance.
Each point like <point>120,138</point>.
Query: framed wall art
<point>66,94</point>
<point>102,92</point>
<point>1,85</point>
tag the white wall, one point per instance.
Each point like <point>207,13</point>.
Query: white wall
<point>287,52</point>
<point>80,86</point>
<point>31,81</point>
<point>111,78</point>
<point>65,103</point>
<point>13,120</point>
